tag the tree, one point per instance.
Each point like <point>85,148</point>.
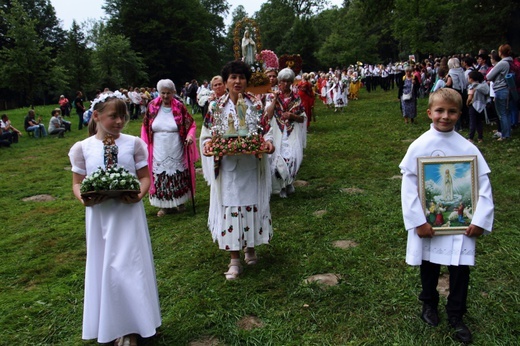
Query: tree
<point>306,8</point>
<point>458,30</point>
<point>26,63</point>
<point>114,71</point>
<point>302,39</point>
<point>217,9</point>
<point>417,25</point>
<point>46,23</point>
<point>75,57</point>
<point>175,41</point>
<point>237,15</point>
<point>275,19</point>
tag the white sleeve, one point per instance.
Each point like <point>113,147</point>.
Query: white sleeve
<point>140,154</point>
<point>413,213</point>
<point>484,213</point>
<point>77,160</point>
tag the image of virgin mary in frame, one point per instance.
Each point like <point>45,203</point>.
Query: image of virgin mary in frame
<point>448,189</point>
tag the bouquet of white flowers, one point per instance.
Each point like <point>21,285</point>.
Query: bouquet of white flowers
<point>111,181</point>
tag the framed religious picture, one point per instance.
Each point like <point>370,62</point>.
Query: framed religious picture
<point>448,189</point>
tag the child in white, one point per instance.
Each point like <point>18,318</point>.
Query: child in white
<point>455,251</point>
<point>121,296</point>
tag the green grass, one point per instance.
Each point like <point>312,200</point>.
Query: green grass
<point>375,303</point>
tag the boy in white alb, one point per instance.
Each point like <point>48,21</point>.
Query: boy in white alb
<point>455,251</point>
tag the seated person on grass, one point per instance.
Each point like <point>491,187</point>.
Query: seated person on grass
<point>33,125</point>
<point>8,131</point>
<point>55,124</point>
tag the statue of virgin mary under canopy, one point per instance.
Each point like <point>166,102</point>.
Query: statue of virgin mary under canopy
<point>248,48</point>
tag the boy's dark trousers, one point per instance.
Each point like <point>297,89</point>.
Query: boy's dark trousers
<point>459,282</point>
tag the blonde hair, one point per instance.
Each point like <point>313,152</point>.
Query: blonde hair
<point>454,63</point>
<point>121,109</point>
<point>447,94</point>
<point>214,79</point>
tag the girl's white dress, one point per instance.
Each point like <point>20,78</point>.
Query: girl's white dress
<point>121,294</point>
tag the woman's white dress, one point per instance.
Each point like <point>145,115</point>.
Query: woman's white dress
<point>121,295</point>
<point>171,176</point>
<point>239,214</point>
<point>339,94</point>
<point>289,140</point>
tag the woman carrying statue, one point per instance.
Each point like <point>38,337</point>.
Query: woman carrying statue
<point>286,111</point>
<point>239,214</point>
<point>248,48</point>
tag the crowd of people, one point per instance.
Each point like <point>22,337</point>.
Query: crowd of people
<point>275,124</point>
<point>484,82</point>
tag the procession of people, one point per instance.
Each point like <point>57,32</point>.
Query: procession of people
<point>251,146</point>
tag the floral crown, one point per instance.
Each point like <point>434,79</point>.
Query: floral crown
<point>105,96</point>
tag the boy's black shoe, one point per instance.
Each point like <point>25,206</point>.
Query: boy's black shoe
<point>430,315</point>
<point>462,332</point>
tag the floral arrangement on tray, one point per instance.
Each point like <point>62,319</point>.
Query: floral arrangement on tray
<point>249,145</point>
<point>112,181</point>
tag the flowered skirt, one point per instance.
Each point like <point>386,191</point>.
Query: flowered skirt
<point>171,190</point>
<point>242,228</point>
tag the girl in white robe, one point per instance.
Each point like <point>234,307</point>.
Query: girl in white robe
<point>121,296</point>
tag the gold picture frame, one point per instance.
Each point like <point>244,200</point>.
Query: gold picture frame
<point>448,190</point>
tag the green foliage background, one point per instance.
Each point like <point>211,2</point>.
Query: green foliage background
<point>375,302</point>
<point>137,44</point>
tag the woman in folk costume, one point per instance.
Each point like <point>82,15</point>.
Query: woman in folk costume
<point>239,214</point>
<point>169,130</point>
<point>329,94</point>
<point>288,118</point>
<point>306,93</point>
<point>322,86</point>
<point>339,95</point>
<point>355,84</point>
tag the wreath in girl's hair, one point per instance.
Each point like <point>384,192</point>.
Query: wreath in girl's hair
<point>294,62</point>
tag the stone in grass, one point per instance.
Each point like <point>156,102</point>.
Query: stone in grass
<point>344,244</point>
<point>198,170</point>
<point>443,285</point>
<point>205,341</point>
<point>396,177</point>
<point>319,213</point>
<point>352,190</point>
<point>39,198</point>
<point>250,322</point>
<point>300,183</point>
<point>67,168</point>
<point>328,279</point>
